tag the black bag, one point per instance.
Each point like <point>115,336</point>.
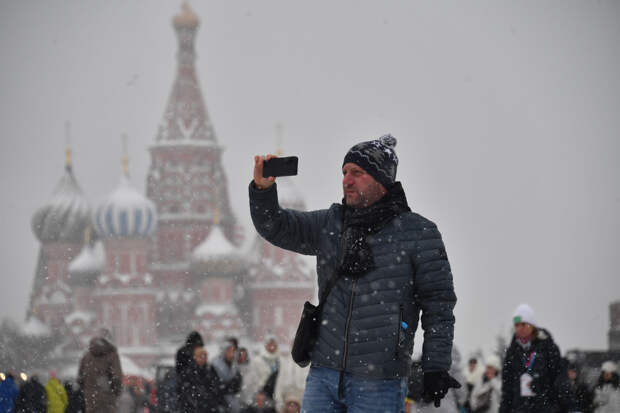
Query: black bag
<point>308,328</point>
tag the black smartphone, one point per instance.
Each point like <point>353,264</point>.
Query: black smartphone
<point>286,166</point>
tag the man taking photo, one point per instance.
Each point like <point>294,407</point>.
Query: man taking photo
<point>390,265</point>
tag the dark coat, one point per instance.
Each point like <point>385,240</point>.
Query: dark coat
<point>362,329</point>
<point>76,399</point>
<point>185,356</point>
<point>8,394</point>
<point>31,398</point>
<point>100,376</point>
<point>199,389</point>
<point>547,371</point>
<point>254,409</point>
<point>167,393</point>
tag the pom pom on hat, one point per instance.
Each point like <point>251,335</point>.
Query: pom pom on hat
<point>377,158</point>
<point>388,140</point>
<point>524,314</point>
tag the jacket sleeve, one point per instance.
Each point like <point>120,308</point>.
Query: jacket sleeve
<point>285,228</point>
<point>434,291</point>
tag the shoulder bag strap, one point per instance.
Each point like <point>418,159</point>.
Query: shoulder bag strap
<point>330,284</point>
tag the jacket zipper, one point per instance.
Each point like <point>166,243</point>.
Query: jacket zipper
<point>400,332</point>
<point>346,326</point>
<point>346,342</point>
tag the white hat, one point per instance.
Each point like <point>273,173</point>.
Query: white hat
<point>494,361</point>
<point>609,367</point>
<point>524,314</point>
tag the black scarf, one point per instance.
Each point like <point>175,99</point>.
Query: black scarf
<point>355,257</point>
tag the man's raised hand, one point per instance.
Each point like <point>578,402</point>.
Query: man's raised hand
<point>259,181</point>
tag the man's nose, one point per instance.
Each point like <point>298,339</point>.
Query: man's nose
<point>346,179</point>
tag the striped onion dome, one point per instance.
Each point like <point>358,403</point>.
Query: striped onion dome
<point>65,216</point>
<point>126,213</point>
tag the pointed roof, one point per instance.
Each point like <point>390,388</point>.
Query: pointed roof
<point>215,245</point>
<point>87,265</point>
<point>186,120</point>
<point>34,327</point>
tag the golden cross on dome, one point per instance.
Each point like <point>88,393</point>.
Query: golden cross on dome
<point>125,157</point>
<point>67,144</point>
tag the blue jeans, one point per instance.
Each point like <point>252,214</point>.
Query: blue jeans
<point>361,394</point>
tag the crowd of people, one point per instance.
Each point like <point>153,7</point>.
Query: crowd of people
<point>231,382</point>
<point>532,378</point>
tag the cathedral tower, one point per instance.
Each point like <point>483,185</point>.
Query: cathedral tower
<point>186,180</point>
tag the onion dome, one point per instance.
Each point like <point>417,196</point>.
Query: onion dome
<point>126,213</point>
<point>186,18</point>
<point>65,216</point>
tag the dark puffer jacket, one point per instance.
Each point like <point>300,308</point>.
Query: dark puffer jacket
<point>362,330</point>
<point>546,370</point>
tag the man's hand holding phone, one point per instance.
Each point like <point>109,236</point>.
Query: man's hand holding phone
<point>267,168</point>
<point>259,180</point>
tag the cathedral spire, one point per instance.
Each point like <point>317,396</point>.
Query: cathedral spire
<point>186,120</point>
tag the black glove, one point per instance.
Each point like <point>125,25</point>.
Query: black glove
<point>436,385</point>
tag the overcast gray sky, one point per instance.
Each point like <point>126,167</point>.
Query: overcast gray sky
<point>506,114</point>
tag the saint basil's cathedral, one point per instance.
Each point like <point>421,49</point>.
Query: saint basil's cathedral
<point>152,267</point>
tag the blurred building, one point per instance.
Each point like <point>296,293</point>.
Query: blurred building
<point>152,267</point>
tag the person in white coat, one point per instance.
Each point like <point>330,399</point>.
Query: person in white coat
<point>266,368</point>
<point>607,390</point>
<point>487,391</point>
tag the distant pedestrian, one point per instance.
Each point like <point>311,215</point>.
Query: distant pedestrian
<point>532,368</point>
<point>75,397</point>
<point>487,391</point>
<point>225,366</point>
<point>472,373</point>
<point>266,367</point>
<point>57,400</point>
<point>201,390</point>
<point>31,397</point>
<point>580,390</point>
<point>8,394</point>
<point>100,375</point>
<point>261,404</point>
<point>292,400</point>
<point>167,393</point>
<point>607,390</point>
<point>184,357</point>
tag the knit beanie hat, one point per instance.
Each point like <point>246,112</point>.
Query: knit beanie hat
<point>524,314</point>
<point>609,367</point>
<point>377,158</point>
